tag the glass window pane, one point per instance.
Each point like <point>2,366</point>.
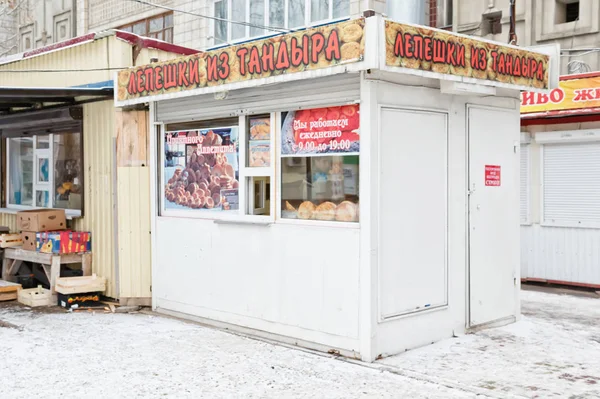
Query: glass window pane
<point>42,199</point>
<point>43,172</point>
<point>169,21</point>
<point>140,28</point>
<point>341,8</point>
<point>156,24</point>
<point>319,10</point>
<point>277,14</point>
<point>42,142</point>
<point>68,180</point>
<point>257,17</point>
<point>320,164</point>
<point>201,169</point>
<point>169,35</point>
<point>296,13</point>
<point>259,141</point>
<point>127,29</point>
<point>21,171</point>
<point>238,14</point>
<point>221,26</point>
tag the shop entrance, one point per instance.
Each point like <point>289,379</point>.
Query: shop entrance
<point>493,229</point>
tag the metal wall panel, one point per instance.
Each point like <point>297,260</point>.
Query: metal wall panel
<point>135,271</point>
<point>99,185</point>
<point>561,254</point>
<point>8,220</point>
<point>83,64</point>
<point>278,97</point>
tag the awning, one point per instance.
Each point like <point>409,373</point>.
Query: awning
<point>27,99</point>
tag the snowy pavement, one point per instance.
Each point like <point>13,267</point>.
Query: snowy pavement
<point>553,352</point>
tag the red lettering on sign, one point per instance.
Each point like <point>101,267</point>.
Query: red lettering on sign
<point>332,51</point>
<point>492,175</point>
<point>283,60</point>
<point>254,63</point>
<point>241,53</point>
<point>317,44</point>
<point>268,57</point>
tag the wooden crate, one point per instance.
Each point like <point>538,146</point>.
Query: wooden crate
<point>10,240</point>
<point>80,285</point>
<point>9,291</point>
<point>34,297</point>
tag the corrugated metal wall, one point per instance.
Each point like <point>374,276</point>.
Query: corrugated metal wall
<point>99,185</point>
<point>135,271</point>
<point>560,254</point>
<point>8,220</point>
<point>80,63</point>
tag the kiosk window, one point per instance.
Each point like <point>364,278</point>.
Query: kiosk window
<point>320,164</point>
<point>45,171</point>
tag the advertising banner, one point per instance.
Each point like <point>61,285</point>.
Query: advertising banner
<point>571,94</point>
<point>432,50</point>
<point>201,169</point>
<point>310,49</point>
<point>321,131</point>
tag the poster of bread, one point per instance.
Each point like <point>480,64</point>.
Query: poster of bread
<point>201,166</point>
<point>303,50</point>
<point>332,130</point>
<point>433,50</point>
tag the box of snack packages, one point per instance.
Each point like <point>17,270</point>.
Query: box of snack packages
<point>63,242</point>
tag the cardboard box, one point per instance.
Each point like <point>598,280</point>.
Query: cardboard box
<point>63,242</point>
<point>42,220</point>
<point>79,301</point>
<point>29,240</point>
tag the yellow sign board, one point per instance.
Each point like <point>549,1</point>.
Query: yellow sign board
<point>576,93</point>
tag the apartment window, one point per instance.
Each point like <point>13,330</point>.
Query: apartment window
<point>566,11</point>
<point>158,27</point>
<point>440,13</point>
<point>277,14</point>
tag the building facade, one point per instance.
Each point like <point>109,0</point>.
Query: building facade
<point>573,24</point>
<point>201,24</point>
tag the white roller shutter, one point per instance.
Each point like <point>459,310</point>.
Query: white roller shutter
<point>309,93</point>
<point>524,184</point>
<point>571,179</point>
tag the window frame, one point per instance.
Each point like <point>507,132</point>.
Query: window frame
<point>273,172</point>
<point>49,186</point>
<point>241,215</point>
<point>154,34</point>
<point>526,144</point>
<point>247,37</point>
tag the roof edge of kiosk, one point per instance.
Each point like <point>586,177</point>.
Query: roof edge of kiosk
<point>131,38</point>
<point>349,46</point>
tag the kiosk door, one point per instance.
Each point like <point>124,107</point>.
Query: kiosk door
<point>493,213</point>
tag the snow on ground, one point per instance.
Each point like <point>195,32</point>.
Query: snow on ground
<point>77,355</point>
<point>553,352</point>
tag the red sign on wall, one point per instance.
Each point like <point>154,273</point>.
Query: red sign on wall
<point>492,175</point>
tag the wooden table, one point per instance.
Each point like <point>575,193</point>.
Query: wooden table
<point>13,257</point>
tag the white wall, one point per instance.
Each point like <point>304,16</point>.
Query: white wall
<point>424,327</point>
<point>297,281</point>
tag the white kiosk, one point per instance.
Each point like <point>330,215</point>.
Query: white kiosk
<point>352,188</point>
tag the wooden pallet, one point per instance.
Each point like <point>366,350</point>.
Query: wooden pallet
<point>10,240</point>
<point>9,291</point>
